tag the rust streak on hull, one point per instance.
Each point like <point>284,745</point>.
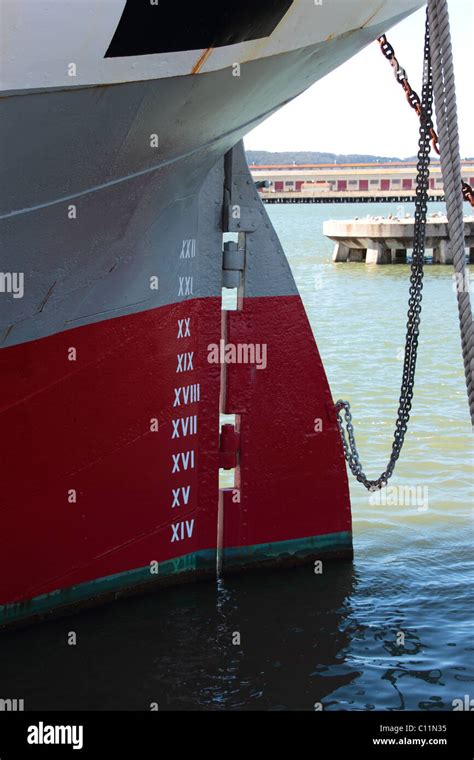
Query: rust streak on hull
<point>202,60</point>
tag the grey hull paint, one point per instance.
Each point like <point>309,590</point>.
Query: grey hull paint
<point>134,204</point>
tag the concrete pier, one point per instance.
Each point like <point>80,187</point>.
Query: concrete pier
<point>379,240</point>
<point>442,253</point>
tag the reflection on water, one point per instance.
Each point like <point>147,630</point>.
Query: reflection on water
<point>180,648</point>
<point>264,641</point>
<point>392,631</point>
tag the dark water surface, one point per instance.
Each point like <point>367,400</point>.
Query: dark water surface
<point>333,638</point>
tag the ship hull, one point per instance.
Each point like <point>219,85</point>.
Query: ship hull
<point>111,447</point>
<point>113,210</point>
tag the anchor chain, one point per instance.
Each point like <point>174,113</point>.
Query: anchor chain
<point>415,297</point>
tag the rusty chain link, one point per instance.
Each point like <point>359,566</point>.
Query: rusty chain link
<point>415,103</point>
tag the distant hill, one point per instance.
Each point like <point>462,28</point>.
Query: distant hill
<point>316,157</point>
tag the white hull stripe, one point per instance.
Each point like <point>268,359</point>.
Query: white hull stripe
<point>47,43</point>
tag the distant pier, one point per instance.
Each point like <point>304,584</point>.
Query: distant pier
<point>393,182</point>
<point>379,240</point>
<point>329,196</point>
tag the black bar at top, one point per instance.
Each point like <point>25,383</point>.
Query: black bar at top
<point>171,26</point>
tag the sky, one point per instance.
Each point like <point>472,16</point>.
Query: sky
<point>360,108</point>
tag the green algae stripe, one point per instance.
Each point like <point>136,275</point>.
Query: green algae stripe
<point>201,560</point>
<point>299,547</point>
<point>204,561</point>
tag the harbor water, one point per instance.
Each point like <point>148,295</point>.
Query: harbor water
<point>391,630</point>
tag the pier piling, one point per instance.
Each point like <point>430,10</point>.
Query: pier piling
<point>379,240</point>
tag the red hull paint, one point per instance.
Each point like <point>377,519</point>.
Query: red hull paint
<point>85,425</point>
<point>292,473</point>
